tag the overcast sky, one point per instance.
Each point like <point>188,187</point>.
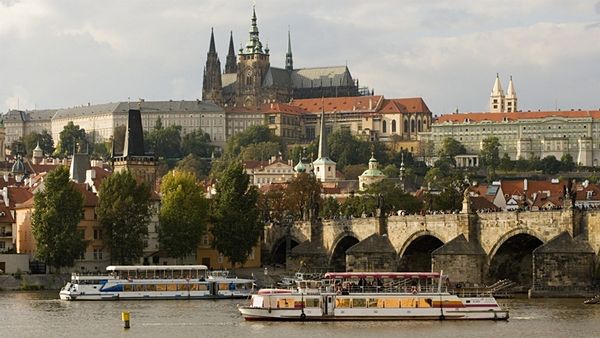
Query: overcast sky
<point>63,53</point>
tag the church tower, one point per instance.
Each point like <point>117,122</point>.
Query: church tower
<point>497,97</point>
<point>289,62</point>
<point>324,167</point>
<point>252,68</point>
<point>511,97</point>
<point>211,84</point>
<point>231,63</point>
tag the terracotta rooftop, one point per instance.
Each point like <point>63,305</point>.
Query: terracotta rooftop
<point>5,214</point>
<point>516,116</point>
<point>18,195</point>
<point>331,104</point>
<point>404,105</point>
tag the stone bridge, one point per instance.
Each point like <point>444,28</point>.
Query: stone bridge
<point>538,249</point>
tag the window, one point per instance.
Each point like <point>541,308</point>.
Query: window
<point>2,245</point>
<point>205,239</point>
<point>384,127</point>
<point>220,259</point>
<point>97,254</point>
<point>97,233</point>
<point>393,126</point>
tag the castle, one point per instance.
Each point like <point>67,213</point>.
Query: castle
<point>249,80</point>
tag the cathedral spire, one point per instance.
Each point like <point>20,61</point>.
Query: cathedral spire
<point>254,46</point>
<point>497,97</point>
<point>211,48</point>
<point>511,97</point>
<point>231,62</point>
<point>323,152</point>
<point>497,90</point>
<point>510,92</point>
<point>289,62</point>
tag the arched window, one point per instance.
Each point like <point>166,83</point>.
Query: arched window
<point>412,126</point>
<point>406,125</point>
<point>384,126</point>
<point>393,126</point>
<point>419,125</point>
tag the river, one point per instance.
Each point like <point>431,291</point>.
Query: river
<point>41,314</point>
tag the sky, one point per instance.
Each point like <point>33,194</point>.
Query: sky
<point>64,53</point>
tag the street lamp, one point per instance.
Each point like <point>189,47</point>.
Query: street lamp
<point>288,220</point>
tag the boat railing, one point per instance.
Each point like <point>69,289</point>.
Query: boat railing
<point>354,289</point>
<point>472,292</point>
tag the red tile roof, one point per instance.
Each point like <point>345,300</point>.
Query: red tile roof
<point>515,116</point>
<point>404,105</point>
<point>331,104</point>
<point>18,195</point>
<point>5,214</point>
<point>89,198</point>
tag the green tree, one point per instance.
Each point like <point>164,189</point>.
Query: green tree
<point>183,214</point>
<point>345,149</point>
<point>44,139</point>
<point>164,142</point>
<point>69,137</point>
<point>306,151</point>
<point>272,204</point>
<point>490,154</point>
<point>193,163</point>
<point>58,209</point>
<point>254,134</point>
<point>450,148</point>
<point>352,171</point>
<point>235,216</point>
<point>550,165</point>
<point>394,198</point>
<point>391,171</point>
<point>300,193</point>
<point>567,163</point>
<point>197,143</point>
<point>118,138</point>
<point>124,212</point>
<point>506,164</point>
<point>331,208</point>
<point>18,147</point>
<point>260,151</point>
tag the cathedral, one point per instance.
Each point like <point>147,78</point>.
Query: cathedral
<point>249,80</point>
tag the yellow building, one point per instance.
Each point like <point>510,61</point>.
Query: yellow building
<point>215,260</point>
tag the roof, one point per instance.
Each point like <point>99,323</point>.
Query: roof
<point>481,203</point>
<point>18,195</point>
<point>282,108</point>
<point>373,244</point>
<point>277,77</point>
<point>459,246</point>
<point>565,243</point>
<point>89,198</point>
<point>29,115</point>
<point>321,77</point>
<point>404,105</point>
<point>5,214</point>
<point>516,116</point>
<point>394,275</point>
<point>331,104</point>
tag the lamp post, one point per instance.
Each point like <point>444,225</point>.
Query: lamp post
<point>288,220</point>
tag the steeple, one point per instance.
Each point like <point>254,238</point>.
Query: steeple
<point>497,97</point>
<point>254,46</point>
<point>211,83</point>
<point>289,62</point>
<point>231,62</point>
<point>511,97</point>
<point>323,151</point>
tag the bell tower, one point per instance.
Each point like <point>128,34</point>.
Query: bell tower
<point>253,66</point>
<point>212,88</point>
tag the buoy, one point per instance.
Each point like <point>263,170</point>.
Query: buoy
<point>125,319</point>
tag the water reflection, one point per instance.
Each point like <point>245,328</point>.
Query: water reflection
<point>41,314</point>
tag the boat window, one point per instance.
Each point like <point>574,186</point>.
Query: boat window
<point>171,287</point>
<point>128,287</point>
<point>223,286</point>
<point>342,302</point>
<point>161,287</point>
<point>373,302</point>
<point>151,287</point>
<point>182,287</point>
<point>393,303</point>
<point>311,302</point>
<point>359,302</point>
<point>408,302</point>
<point>285,303</point>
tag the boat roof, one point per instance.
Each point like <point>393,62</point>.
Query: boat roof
<point>393,275</point>
<point>155,267</point>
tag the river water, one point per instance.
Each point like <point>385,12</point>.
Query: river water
<point>41,314</point>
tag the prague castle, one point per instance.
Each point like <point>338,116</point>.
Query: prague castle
<point>249,80</point>
<point>523,134</point>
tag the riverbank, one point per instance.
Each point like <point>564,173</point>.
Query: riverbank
<point>25,282</point>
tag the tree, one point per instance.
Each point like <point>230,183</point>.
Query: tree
<point>450,148</point>
<point>254,134</point>
<point>394,198</point>
<point>506,164</point>
<point>272,204</point>
<point>331,208</point>
<point>352,171</point>
<point>236,225</point>
<point>490,154</point>
<point>124,212</point>
<point>550,165</point>
<point>260,151</point>
<point>194,164</point>
<point>44,139</point>
<point>118,138</point>
<point>182,214</point>
<point>164,142</point>
<point>567,163</point>
<point>69,137</point>
<point>197,143</point>
<point>300,193</point>
<point>58,209</point>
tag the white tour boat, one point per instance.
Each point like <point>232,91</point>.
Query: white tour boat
<point>156,282</point>
<point>372,296</point>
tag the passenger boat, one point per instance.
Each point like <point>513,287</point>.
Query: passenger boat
<point>371,296</point>
<point>156,282</point>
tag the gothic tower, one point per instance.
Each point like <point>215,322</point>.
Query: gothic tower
<point>289,62</point>
<point>252,68</point>
<point>511,97</point>
<point>211,84</point>
<point>231,63</point>
<point>497,97</point>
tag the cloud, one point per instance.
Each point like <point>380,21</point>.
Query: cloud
<point>102,36</point>
<point>22,17</point>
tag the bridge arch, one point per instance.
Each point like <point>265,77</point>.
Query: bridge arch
<point>278,254</point>
<point>512,257</point>
<point>337,259</point>
<point>415,253</point>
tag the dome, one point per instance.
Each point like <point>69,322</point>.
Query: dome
<point>18,167</point>
<point>373,172</point>
<point>300,167</point>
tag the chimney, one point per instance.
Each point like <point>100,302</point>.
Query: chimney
<point>370,104</point>
<point>525,185</point>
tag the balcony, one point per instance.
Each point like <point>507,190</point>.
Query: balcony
<point>5,234</point>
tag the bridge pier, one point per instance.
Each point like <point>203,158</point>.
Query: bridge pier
<point>463,261</point>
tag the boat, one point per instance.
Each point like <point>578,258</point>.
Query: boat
<point>593,300</point>
<point>371,296</point>
<point>156,282</point>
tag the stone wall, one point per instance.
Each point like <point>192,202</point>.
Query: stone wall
<point>563,272</point>
<point>371,262</point>
<point>467,270</point>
